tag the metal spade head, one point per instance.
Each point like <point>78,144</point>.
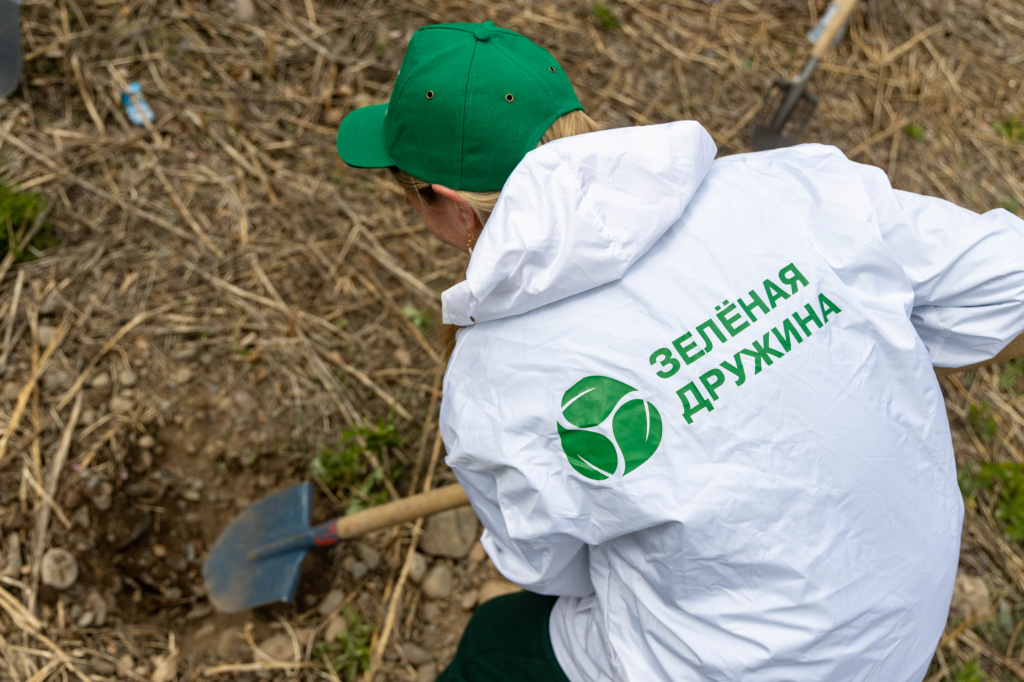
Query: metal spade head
<point>238,578</point>
<point>793,106</point>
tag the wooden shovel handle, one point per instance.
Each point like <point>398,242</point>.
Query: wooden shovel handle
<point>406,509</point>
<point>824,43</point>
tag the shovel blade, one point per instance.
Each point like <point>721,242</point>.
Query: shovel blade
<point>790,106</point>
<point>236,582</point>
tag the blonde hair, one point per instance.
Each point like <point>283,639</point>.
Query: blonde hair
<point>482,203</point>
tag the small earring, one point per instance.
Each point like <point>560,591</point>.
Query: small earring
<point>469,242</point>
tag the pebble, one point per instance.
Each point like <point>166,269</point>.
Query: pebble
<point>73,499</point>
<point>11,391</point>
<point>45,334</point>
<point>59,568</point>
<point>119,405</point>
<point>438,582</point>
<point>183,375</point>
<point>190,353</point>
<point>86,619</point>
<point>101,667</point>
<point>100,380</point>
<point>354,566</point>
<point>427,672</point>
<point>477,553</point>
<point>173,593</point>
<point>245,9</point>
<point>450,533</point>
<point>125,664</point>
<point>417,568</point>
<point>159,551</point>
<point>495,588</point>
<point>431,611</point>
<point>104,497</point>
<point>98,606</point>
<point>368,555</point>
<point>336,627</point>
<point>416,654</point>
<point>469,600</point>
<point>146,442</point>
<point>330,602</point>
<point>971,597</point>
<point>127,377</point>
<point>55,380</point>
<point>278,647</point>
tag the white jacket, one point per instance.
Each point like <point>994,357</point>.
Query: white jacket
<point>695,398</point>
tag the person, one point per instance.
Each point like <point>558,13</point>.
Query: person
<point>692,400</point>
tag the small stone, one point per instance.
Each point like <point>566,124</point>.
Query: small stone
<point>245,9</point>
<point>416,654</point>
<point>59,568</point>
<point>76,611</point>
<point>55,380</point>
<point>125,664</point>
<point>128,378</point>
<point>103,499</point>
<point>438,582</point>
<point>101,667</point>
<point>279,647</point>
<point>337,626</point>
<point>359,570</point>
<point>330,602</point>
<point>159,551</point>
<point>183,375</point>
<point>426,672</point>
<point>120,405</point>
<point>368,555</point>
<point>11,391</point>
<point>469,600</point>
<point>190,353</point>
<point>417,568</point>
<point>173,593</point>
<point>86,619</point>
<point>971,598</point>
<point>477,553</point>
<point>450,533</point>
<point>305,636</point>
<point>81,517</point>
<point>100,380</point>
<point>45,334</point>
<point>88,417</point>
<point>73,499</point>
<point>431,611</point>
<point>496,588</point>
<point>12,557</point>
<point>98,606</point>
<point>146,442</point>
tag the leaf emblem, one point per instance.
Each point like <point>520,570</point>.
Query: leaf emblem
<point>590,454</point>
<point>591,400</point>
<point>637,429</point>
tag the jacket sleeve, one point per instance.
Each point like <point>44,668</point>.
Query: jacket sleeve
<point>966,270</point>
<point>557,565</point>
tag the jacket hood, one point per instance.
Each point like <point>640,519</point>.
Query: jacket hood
<point>577,213</point>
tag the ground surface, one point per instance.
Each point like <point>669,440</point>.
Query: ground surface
<point>230,303</point>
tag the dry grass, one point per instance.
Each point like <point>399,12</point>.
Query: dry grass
<point>225,241</point>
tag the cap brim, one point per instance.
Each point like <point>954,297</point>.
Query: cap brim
<point>10,46</point>
<point>361,138</point>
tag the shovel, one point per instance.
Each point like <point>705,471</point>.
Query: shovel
<point>782,131</point>
<point>256,559</point>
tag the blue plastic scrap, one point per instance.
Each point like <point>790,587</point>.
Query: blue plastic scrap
<point>135,105</point>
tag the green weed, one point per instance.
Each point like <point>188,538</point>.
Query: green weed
<point>349,653</point>
<point>1013,372</point>
<point>1010,129</point>
<point>970,672</point>
<point>605,16</point>
<point>1006,481</point>
<point>420,318</point>
<point>982,421</point>
<point>345,464</point>
<point>1011,205</point>
<point>18,212</point>
<point>914,131</point>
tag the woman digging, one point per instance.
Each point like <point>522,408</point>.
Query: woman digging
<point>691,400</point>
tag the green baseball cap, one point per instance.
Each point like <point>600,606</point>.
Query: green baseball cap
<point>469,102</point>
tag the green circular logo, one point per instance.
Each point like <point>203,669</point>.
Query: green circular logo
<point>635,427</point>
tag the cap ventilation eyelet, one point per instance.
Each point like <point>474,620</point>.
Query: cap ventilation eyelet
<point>430,94</point>
<point>509,97</point>
<point>552,69</point>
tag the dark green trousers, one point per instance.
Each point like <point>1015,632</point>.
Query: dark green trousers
<point>507,640</point>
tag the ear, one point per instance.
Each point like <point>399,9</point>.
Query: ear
<point>463,211</point>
